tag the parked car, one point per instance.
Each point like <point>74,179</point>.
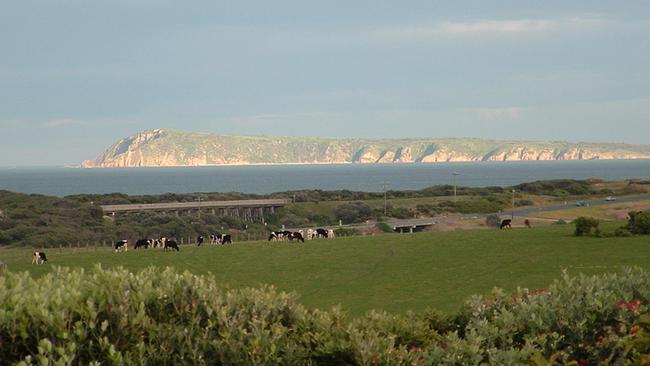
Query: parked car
<point>610,198</point>
<point>580,203</point>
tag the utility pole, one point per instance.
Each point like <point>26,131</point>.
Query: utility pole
<point>513,204</point>
<point>385,185</point>
<point>454,175</point>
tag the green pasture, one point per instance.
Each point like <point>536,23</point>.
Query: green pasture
<point>392,272</point>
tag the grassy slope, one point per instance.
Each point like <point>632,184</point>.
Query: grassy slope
<point>389,272</point>
<point>599,212</point>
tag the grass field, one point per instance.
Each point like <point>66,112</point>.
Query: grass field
<point>392,272</point>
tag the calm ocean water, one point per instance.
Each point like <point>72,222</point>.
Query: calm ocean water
<point>267,179</point>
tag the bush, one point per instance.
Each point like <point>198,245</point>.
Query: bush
<point>165,317</point>
<point>401,213</point>
<point>493,221</point>
<point>346,232</point>
<point>639,222</point>
<point>352,212</point>
<point>584,225</point>
<point>622,232</point>
<point>559,222</point>
<point>384,227</point>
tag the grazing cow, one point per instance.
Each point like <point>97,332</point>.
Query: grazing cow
<point>297,236</point>
<point>144,243</point>
<point>199,240</point>
<point>527,223</point>
<point>321,233</point>
<point>279,235</point>
<point>226,239</point>
<point>39,258</point>
<point>121,244</point>
<point>506,223</point>
<point>171,244</point>
<point>157,243</point>
<point>215,238</point>
<point>330,233</point>
<point>310,234</point>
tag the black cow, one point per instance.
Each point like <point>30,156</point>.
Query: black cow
<point>171,244</point>
<point>199,240</point>
<point>297,236</point>
<point>144,243</point>
<point>321,233</point>
<point>121,244</point>
<point>226,239</point>
<point>39,258</point>
<point>506,223</point>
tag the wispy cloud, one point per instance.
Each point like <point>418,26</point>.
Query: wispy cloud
<point>486,28</point>
<point>63,122</point>
<point>500,113</point>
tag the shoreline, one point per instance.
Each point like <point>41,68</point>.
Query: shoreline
<point>349,163</point>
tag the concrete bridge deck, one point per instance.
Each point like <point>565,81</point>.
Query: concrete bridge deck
<point>202,205</point>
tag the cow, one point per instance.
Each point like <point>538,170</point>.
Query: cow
<point>297,236</point>
<point>121,244</point>
<point>144,243</point>
<point>321,233</point>
<point>39,258</point>
<point>273,236</point>
<point>226,239</point>
<point>157,243</point>
<point>199,240</point>
<point>171,244</point>
<point>330,233</point>
<point>527,223</point>
<point>506,223</point>
<point>215,238</point>
<point>310,234</point>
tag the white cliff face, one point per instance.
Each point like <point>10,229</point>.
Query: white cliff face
<point>159,148</point>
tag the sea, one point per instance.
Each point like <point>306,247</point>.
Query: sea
<point>61,181</point>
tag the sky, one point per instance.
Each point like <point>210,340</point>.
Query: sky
<point>77,75</point>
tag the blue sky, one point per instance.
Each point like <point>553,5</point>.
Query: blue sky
<point>77,75</point>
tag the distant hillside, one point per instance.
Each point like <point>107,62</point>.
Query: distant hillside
<point>163,147</point>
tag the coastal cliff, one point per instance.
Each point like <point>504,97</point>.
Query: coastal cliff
<point>165,148</point>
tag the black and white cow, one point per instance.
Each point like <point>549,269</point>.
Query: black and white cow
<point>226,239</point>
<point>296,236</point>
<point>121,244</point>
<point>159,243</point>
<point>506,223</point>
<point>279,235</point>
<point>215,238</point>
<point>142,243</point>
<point>39,258</point>
<point>199,240</point>
<point>171,244</point>
<point>322,233</point>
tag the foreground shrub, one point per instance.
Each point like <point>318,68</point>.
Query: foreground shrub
<point>158,317</point>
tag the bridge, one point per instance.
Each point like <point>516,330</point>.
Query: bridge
<point>249,210</point>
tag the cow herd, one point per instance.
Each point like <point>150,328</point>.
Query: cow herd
<point>169,244</point>
<point>301,235</point>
